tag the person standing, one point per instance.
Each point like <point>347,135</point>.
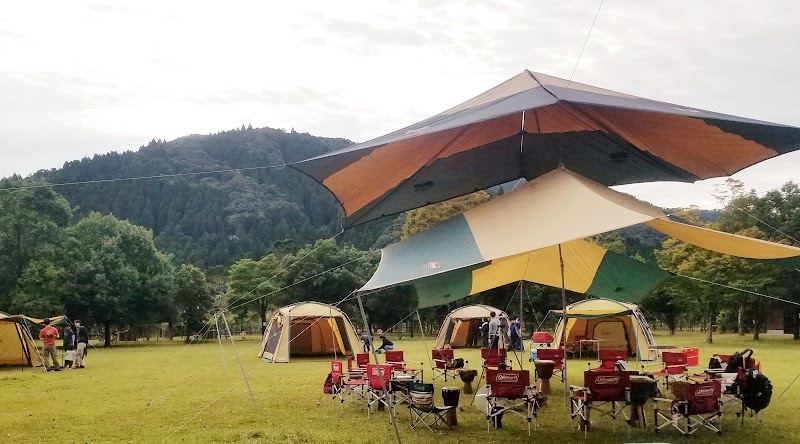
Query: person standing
<point>83,341</point>
<point>69,346</point>
<point>485,333</point>
<point>494,329</point>
<point>516,338</point>
<point>48,335</point>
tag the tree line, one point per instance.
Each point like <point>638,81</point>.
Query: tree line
<point>175,250</point>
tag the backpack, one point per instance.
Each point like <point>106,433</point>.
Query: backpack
<point>757,391</point>
<point>738,360</point>
<point>328,387</point>
<point>715,363</point>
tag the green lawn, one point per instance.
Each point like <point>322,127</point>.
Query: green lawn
<point>166,392</point>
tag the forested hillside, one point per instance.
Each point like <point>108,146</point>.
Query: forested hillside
<point>214,219</point>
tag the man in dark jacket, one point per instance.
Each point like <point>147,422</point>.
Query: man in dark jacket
<point>83,342</point>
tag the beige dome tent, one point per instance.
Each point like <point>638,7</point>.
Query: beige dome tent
<point>618,325</point>
<point>17,348</point>
<point>461,328</point>
<point>308,329</point>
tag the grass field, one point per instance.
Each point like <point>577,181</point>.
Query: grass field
<point>164,391</point>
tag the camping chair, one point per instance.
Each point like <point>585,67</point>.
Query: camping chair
<point>494,358</point>
<point>749,362</point>
<point>395,359</point>
<point>379,390</point>
<point>422,408</point>
<point>443,363</point>
<point>509,390</point>
<point>539,339</point>
<point>696,405</point>
<point>609,359</point>
<point>675,368</point>
<point>346,387</point>
<point>600,389</point>
<point>553,354</point>
<point>362,360</point>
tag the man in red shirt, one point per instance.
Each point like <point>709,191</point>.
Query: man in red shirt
<point>48,335</point>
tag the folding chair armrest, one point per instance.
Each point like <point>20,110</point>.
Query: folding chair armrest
<point>665,400</point>
<point>683,366</point>
<point>651,364</point>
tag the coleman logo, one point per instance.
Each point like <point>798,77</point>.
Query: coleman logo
<point>607,380</point>
<point>705,391</point>
<point>432,265</point>
<point>509,378</point>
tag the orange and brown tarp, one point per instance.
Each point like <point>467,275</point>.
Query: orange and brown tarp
<point>528,126</point>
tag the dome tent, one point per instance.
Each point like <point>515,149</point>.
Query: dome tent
<point>308,329</point>
<point>17,347</point>
<point>461,328</point>
<point>618,325</point>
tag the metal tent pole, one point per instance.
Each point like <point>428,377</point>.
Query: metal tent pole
<point>384,383</point>
<point>564,317</point>
<point>219,339</point>
<point>244,375</point>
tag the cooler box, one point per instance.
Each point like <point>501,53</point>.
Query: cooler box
<point>692,356</point>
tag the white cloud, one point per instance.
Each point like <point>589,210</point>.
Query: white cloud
<point>113,75</point>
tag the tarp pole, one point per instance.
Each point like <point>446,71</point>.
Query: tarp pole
<point>35,347</point>
<point>244,375</point>
<point>219,339</point>
<point>424,342</point>
<point>564,330</point>
<point>384,383</point>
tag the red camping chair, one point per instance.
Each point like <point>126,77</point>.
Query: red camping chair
<point>362,359</point>
<point>749,363</point>
<point>608,360</point>
<point>542,338</point>
<point>507,391</point>
<point>675,368</point>
<point>380,388</point>
<point>493,358</point>
<point>553,354</point>
<point>398,363</point>
<point>443,363</point>
<point>600,389</point>
<point>696,406</point>
<point>346,387</point>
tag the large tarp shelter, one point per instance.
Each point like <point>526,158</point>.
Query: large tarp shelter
<point>308,329</point>
<point>617,325</point>
<point>17,347</point>
<point>517,236</point>
<point>531,124</point>
<point>461,328</point>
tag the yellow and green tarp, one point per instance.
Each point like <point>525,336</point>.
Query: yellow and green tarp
<point>516,237</point>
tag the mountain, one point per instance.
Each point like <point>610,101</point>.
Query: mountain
<point>217,218</point>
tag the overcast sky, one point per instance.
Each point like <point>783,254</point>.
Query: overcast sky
<point>79,78</point>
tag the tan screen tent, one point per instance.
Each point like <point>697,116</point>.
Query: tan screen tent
<point>617,325</point>
<point>308,329</point>
<point>17,348</point>
<point>461,328</point>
